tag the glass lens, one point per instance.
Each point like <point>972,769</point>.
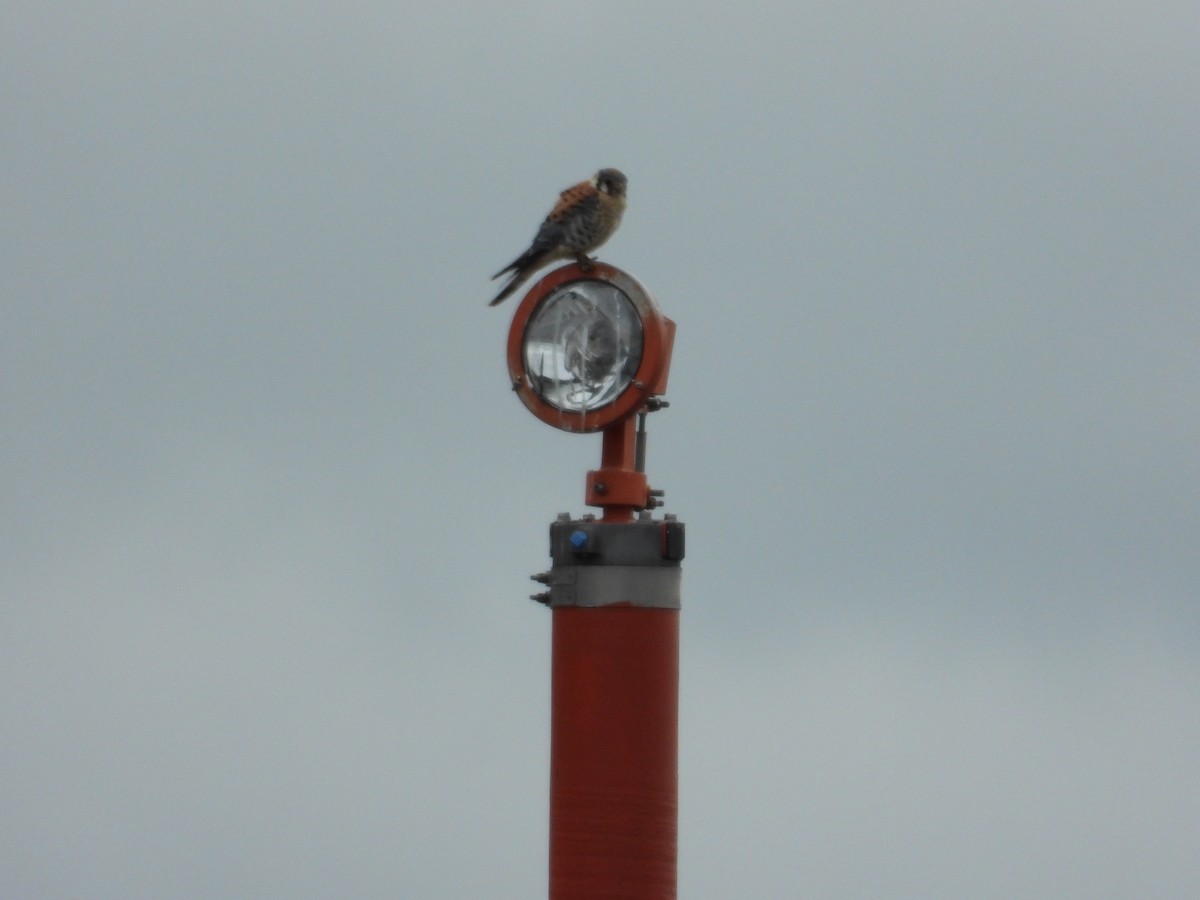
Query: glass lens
<point>583,346</point>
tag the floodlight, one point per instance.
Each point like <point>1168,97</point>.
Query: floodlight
<point>588,348</point>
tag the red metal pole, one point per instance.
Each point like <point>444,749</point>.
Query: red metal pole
<point>614,753</point>
<point>614,732</point>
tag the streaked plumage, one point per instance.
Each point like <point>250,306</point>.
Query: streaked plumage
<point>585,216</point>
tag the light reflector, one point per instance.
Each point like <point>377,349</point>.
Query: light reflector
<point>583,346</point>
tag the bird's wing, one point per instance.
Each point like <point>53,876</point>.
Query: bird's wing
<point>570,200</point>
<point>575,201</point>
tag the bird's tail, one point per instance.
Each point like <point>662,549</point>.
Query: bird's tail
<point>521,268</point>
<point>524,261</point>
<point>518,278</point>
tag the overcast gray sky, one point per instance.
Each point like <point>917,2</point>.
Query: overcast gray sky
<point>268,508</point>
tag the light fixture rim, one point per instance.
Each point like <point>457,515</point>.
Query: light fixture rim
<point>650,367</point>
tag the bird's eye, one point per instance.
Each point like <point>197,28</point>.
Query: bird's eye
<point>605,186</point>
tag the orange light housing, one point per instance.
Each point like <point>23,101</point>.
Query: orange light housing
<point>587,349</point>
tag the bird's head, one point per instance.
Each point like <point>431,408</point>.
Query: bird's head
<point>612,182</point>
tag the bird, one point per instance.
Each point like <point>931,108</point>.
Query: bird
<point>585,216</point>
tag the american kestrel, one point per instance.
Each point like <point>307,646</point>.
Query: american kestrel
<point>585,216</point>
